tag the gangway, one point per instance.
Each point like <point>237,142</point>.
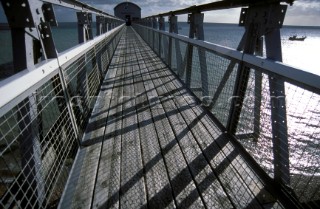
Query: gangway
<point>141,117</point>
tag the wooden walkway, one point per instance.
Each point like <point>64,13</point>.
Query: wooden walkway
<point>149,145</point>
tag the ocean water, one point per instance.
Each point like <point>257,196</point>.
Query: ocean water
<point>300,54</point>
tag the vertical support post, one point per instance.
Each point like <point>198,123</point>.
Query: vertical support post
<point>189,53</point>
<point>51,52</point>
<point>173,24</point>
<point>108,21</point>
<point>265,20</point>
<point>26,53</point>
<point>150,36</point>
<point>162,27</point>
<point>84,34</point>
<point>154,23</point>
<point>84,26</point>
<point>278,112</point>
<point>28,37</point>
<point>196,31</point>
<point>155,26</point>
<point>106,25</point>
<point>100,22</point>
<point>173,28</point>
<point>257,92</point>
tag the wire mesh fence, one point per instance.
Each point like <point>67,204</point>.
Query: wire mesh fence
<point>276,118</point>
<point>39,135</point>
<point>38,144</point>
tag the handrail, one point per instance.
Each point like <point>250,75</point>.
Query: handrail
<point>219,5</point>
<point>267,103</point>
<point>25,82</point>
<point>77,5</point>
<point>299,77</point>
<point>46,104</point>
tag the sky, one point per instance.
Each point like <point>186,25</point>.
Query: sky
<point>303,12</point>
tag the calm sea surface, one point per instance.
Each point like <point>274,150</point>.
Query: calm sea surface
<point>301,54</point>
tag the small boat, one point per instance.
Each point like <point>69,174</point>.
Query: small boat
<point>295,38</point>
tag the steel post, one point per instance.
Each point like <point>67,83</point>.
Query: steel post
<point>100,22</point>
<point>84,26</point>
<point>162,27</point>
<point>278,112</point>
<point>173,28</point>
<point>196,31</point>
<point>258,21</point>
<point>28,37</point>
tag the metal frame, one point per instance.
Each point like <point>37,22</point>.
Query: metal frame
<point>297,76</point>
<point>219,5</point>
<point>79,6</point>
<point>256,26</point>
<point>24,83</point>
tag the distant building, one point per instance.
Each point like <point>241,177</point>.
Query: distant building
<point>128,11</point>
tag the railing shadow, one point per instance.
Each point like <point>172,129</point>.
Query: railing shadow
<point>164,197</point>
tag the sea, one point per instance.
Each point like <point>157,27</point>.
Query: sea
<point>300,54</point>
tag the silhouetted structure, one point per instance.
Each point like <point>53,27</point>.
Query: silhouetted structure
<point>128,11</point>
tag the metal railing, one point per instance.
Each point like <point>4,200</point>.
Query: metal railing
<point>44,107</point>
<point>270,109</point>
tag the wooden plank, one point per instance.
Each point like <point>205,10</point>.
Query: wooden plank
<point>157,181</point>
<point>212,192</point>
<point>183,187</point>
<point>251,183</point>
<point>232,179</point>
<point>79,190</point>
<point>133,194</point>
<point>81,182</point>
<point>208,184</point>
<point>108,179</point>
